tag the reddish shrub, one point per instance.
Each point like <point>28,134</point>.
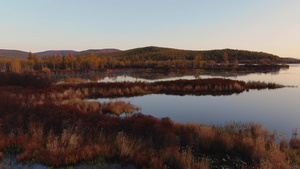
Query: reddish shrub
<point>295,143</point>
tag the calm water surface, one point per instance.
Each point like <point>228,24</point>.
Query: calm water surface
<point>150,75</point>
<point>277,109</point>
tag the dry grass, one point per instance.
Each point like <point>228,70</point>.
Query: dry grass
<point>71,91</point>
<point>74,80</point>
<point>262,85</point>
<point>71,146</point>
<point>118,107</point>
<point>111,107</point>
<point>295,143</point>
<point>84,106</point>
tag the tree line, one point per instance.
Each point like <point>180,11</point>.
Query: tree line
<point>150,57</point>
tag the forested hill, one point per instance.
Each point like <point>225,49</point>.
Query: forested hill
<point>160,54</point>
<point>164,54</point>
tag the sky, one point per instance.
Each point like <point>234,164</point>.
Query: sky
<point>271,26</point>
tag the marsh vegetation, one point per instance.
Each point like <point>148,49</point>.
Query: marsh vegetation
<point>52,125</point>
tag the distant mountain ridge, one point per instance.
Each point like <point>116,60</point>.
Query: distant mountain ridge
<point>13,54</point>
<point>85,52</point>
<point>4,53</point>
<point>51,52</point>
<point>99,51</point>
<point>155,53</point>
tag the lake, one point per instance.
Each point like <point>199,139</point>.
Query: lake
<point>10,162</point>
<point>151,75</point>
<point>275,109</point>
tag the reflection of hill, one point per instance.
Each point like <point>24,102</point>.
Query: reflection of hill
<point>154,74</point>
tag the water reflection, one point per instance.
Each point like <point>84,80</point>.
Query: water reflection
<point>276,109</point>
<point>151,75</point>
<point>10,161</point>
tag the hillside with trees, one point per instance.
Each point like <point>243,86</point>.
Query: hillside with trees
<point>147,57</point>
<point>164,54</point>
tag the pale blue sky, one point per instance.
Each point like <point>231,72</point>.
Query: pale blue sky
<point>271,26</point>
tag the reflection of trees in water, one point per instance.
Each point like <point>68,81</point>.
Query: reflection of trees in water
<point>155,74</point>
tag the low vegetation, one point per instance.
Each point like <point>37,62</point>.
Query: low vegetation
<point>53,126</point>
<point>63,135</point>
<point>215,86</point>
<point>74,80</point>
<point>262,85</point>
<point>111,107</point>
<point>70,91</point>
<point>118,107</point>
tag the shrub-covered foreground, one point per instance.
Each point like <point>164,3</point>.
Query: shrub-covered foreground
<point>66,134</point>
<point>53,126</point>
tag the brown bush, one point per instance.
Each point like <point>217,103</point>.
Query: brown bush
<point>295,143</point>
